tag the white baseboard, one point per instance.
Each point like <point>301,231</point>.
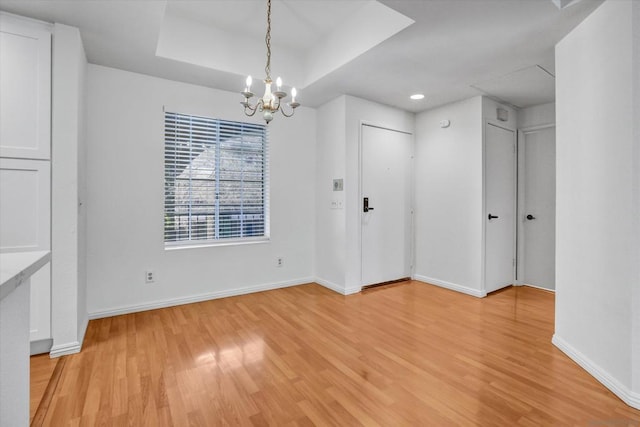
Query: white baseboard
<point>337,288</point>
<point>197,298</point>
<point>353,290</point>
<point>538,287</point>
<point>628,396</point>
<point>41,346</point>
<point>65,349</point>
<point>452,286</point>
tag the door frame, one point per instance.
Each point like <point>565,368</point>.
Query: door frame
<point>484,201</point>
<point>411,225</point>
<point>522,132</point>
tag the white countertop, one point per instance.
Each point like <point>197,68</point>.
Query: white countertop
<point>16,267</point>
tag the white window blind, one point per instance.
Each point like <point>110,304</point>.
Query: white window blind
<point>216,180</point>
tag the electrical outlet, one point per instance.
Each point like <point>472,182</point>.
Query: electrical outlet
<point>149,277</point>
<point>279,261</point>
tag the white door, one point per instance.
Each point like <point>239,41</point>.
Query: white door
<point>386,223</point>
<point>500,196</point>
<point>539,208</point>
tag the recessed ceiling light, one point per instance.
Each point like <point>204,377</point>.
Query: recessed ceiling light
<point>417,96</point>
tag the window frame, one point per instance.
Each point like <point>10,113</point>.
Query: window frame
<point>217,141</point>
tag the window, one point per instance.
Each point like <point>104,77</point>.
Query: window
<point>215,180</point>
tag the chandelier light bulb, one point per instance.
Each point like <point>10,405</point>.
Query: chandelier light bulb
<point>294,92</point>
<point>268,97</point>
<point>278,83</point>
<point>249,81</point>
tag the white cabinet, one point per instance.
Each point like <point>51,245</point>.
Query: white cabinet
<point>25,88</point>
<point>24,211</point>
<point>25,197</point>
<point>25,152</point>
<point>15,270</point>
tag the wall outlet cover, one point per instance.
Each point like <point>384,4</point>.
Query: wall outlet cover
<point>149,276</point>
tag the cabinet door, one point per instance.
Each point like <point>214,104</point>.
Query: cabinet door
<point>25,88</point>
<point>25,212</point>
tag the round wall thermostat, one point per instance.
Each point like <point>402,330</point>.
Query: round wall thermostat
<point>445,123</point>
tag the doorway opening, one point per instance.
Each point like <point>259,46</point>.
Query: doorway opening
<point>536,207</point>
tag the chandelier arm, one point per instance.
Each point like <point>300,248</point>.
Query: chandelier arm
<point>253,111</point>
<point>267,40</point>
<point>284,113</point>
<point>247,104</point>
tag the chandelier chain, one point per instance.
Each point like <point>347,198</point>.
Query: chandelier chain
<point>267,40</point>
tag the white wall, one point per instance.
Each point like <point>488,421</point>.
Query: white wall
<point>449,213</point>
<point>537,115</point>
<point>597,197</point>
<point>68,280</point>
<point>83,315</point>
<point>125,199</point>
<point>330,265</point>
<point>490,114</point>
<point>338,252</point>
<point>635,16</point>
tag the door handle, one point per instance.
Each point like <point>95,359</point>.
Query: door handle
<point>493,216</point>
<point>530,217</point>
<point>365,204</point>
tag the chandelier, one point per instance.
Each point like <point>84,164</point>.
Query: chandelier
<point>270,103</point>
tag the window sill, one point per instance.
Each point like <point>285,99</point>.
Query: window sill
<point>209,244</point>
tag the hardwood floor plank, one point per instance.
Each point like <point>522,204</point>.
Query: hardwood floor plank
<point>45,375</point>
<point>408,354</point>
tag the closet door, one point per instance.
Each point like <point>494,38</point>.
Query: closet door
<point>25,88</point>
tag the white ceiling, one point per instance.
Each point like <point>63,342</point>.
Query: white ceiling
<point>383,51</point>
<point>539,88</point>
<point>309,23</point>
<point>313,53</point>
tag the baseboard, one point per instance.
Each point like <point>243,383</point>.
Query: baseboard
<point>628,396</point>
<point>538,287</point>
<point>65,349</point>
<point>197,298</point>
<point>451,286</point>
<point>337,288</point>
<point>41,346</point>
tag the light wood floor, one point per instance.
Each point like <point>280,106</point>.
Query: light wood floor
<point>42,367</point>
<point>408,354</point>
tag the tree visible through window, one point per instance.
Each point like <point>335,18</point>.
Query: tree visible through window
<point>215,179</point>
